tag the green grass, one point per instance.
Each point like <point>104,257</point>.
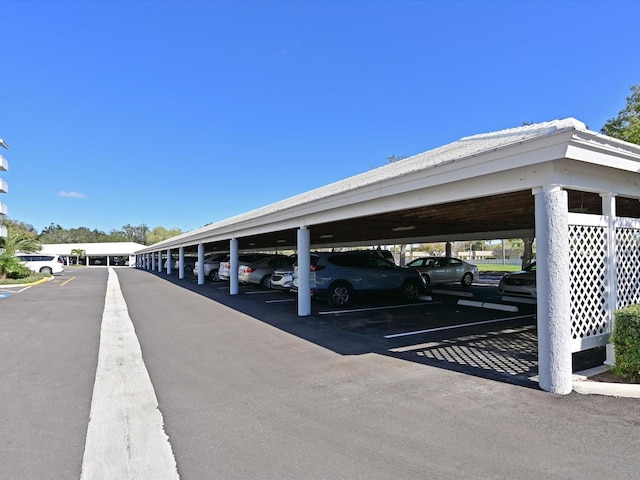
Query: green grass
<point>20,281</point>
<point>493,267</point>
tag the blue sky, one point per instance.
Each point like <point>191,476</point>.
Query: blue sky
<point>179,114</point>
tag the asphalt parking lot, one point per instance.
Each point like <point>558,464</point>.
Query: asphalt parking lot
<point>469,330</point>
<point>254,391</point>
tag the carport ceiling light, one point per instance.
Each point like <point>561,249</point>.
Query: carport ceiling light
<point>404,229</point>
<point>326,236</point>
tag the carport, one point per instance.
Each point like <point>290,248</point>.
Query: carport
<point>575,190</point>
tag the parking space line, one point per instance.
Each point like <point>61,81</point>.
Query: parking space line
<point>259,292</point>
<point>461,325</point>
<point>284,300</point>
<point>371,309</point>
<point>7,289</point>
<point>66,281</point>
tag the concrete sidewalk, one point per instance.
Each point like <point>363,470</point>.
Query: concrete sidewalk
<point>583,385</point>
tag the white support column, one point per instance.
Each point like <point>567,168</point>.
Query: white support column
<point>609,211</point>
<point>169,261</point>
<point>554,300</point>
<point>201,264</point>
<point>181,263</point>
<point>153,261</point>
<point>304,272</point>
<point>147,260</point>
<point>159,261</point>
<point>233,269</point>
<point>447,248</point>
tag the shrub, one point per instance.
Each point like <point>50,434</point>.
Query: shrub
<point>10,267</point>
<point>626,339</point>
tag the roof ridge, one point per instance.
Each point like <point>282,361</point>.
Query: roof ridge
<point>533,130</point>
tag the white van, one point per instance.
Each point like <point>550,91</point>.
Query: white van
<point>42,263</point>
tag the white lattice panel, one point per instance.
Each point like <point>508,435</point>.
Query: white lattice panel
<point>628,262</point>
<point>589,286</point>
<point>592,300</point>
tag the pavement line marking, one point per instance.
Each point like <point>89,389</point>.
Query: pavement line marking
<point>461,325</point>
<point>287,300</point>
<point>67,281</point>
<point>372,309</point>
<point>125,436</point>
<point>489,305</point>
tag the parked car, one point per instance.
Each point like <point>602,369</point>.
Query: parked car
<point>243,259</point>
<point>282,278</point>
<point>37,262</point>
<point>338,276</point>
<point>445,270</point>
<point>189,263</point>
<point>261,271</point>
<point>520,284</point>
<point>211,265</point>
<point>386,254</point>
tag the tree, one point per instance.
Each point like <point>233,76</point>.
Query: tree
<point>396,158</point>
<point>17,226</point>
<point>159,234</point>
<point>78,252</point>
<point>626,126</point>
<point>20,241</point>
<point>135,234</point>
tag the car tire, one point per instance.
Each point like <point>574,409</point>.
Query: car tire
<point>467,280</point>
<point>411,290</point>
<point>213,276</point>
<point>266,281</point>
<point>427,279</point>
<point>46,270</point>
<point>339,294</point>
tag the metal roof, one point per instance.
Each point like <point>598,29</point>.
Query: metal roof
<point>489,170</point>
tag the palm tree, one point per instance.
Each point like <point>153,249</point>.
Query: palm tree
<point>78,252</point>
<point>20,242</point>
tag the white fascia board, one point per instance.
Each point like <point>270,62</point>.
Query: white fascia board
<point>4,210</point>
<point>4,188</point>
<point>596,178</point>
<point>4,165</point>
<point>524,165</point>
<point>603,150</point>
<point>530,151</point>
<point>448,183</point>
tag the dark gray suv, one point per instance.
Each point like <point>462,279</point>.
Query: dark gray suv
<point>338,276</point>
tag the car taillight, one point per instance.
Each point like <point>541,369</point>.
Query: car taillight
<point>315,268</point>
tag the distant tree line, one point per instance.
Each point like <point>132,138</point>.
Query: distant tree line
<point>56,234</point>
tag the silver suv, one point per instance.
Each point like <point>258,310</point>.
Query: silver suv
<point>338,276</point>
